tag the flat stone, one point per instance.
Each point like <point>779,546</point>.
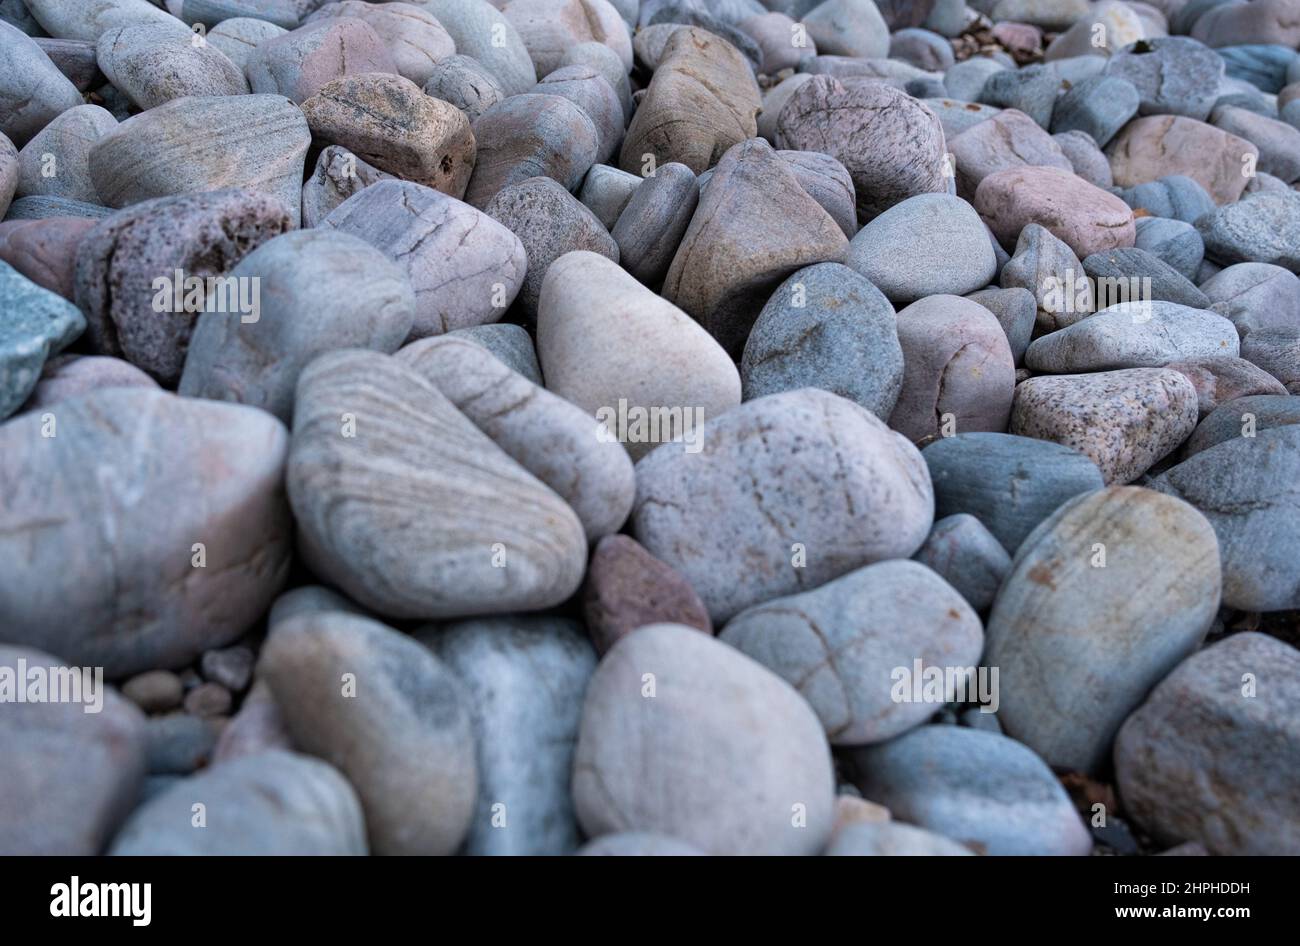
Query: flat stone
<point>853,493</point>
<point>958,370</point>
<point>387,121</point>
<point>1087,218</point>
<point>1124,421</point>
<point>69,594</point>
<point>323,290</point>
<point>201,236</point>
<point>720,784</point>
<point>1134,335</point>
<point>37,324</point>
<point>462,503</point>
<point>926,245</point>
<point>1256,297</point>
<point>977,788</point>
<point>404,737</point>
<point>549,27</point>
<point>169,150</point>
<point>1278,353</point>
<point>465,267</point>
<point>1127,618</point>
<point>43,208</point>
<point>1240,416</point>
<point>1160,145</point>
<point>525,733</point>
<point>965,554</point>
<point>1188,762</point>
<point>826,327</point>
<point>73,775</point>
<point>922,48</point>
<point>839,645</point>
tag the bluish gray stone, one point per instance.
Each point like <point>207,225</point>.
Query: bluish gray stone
<point>606,190</point>
<point>1254,101</point>
<point>32,90</point>
<point>482,32</point>
<point>1176,242</point>
<point>1100,105</point>
<point>839,645</point>
<point>689,13</point>
<point>525,678</point>
<point>826,327</point>
<point>1260,228</point>
<point>1249,489</point>
<point>1032,90</point>
<point>1278,142</point>
<point>963,552</point>
<point>1127,263</point>
<point>956,116</point>
<point>466,83</point>
<point>891,839</point>
<point>1015,310</point>
<point>35,324</point>
<point>178,743</point>
<point>1205,760</point>
<point>1256,297</point>
<point>1175,196</point>
<point>1241,417</point>
<point>1117,585</point>
<point>980,789</point>
<point>1263,66</point>
<point>510,343</point>
<point>1085,157</point>
<point>826,181</point>
<point>1174,75</point>
<point>924,49</point>
<point>652,225</point>
<point>42,208</point>
<point>966,79</point>
<point>1009,483</point>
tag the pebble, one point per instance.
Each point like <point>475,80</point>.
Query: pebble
<point>9,170</point>
<point>1048,268</point>
<point>1055,15</point>
<point>153,63</point>
<point>1261,65</point>
<point>892,839</point>
<point>231,667</point>
<point>1176,242</point>
<point>958,370</point>
<point>1247,487</point>
<point>208,701</point>
<point>1260,228</point>
<point>1160,145</point>
<point>525,733</point>
<point>90,19</point>
<point>775,36</point>
<point>628,588</point>
<point>466,83</point>
<point>826,327</point>
<point>1175,196</point>
<point>464,267</point>
<point>926,245</point>
<point>964,553</point>
<point>1174,75</point>
<point>754,226</point>
<point>339,174</point>
<point>848,28</point>
<point>1123,420</point>
<point>1134,335</point>
<point>56,162</point>
<point>168,150</point>
<point>1234,418</point>
<point>832,116</point>
<point>257,727</point>
<point>608,64</point>
<point>511,344</point>
<point>1269,22</point>
<point>43,208</point>
<point>840,645</point>
<point>67,598</point>
<point>1220,379</point>
<point>1085,157</point>
<point>37,325</point>
<point>1009,139</point>
<point>300,63</point>
<point>1188,761</point>
<point>693,13</point>
<point>548,436</point>
<point>414,37</point>
<point>238,36</point>
<point>618,351</point>
<point>637,844</point>
<point>1016,311</point>
<point>179,743</point>
<point>966,79</point>
<point>462,502</point>
<point>1087,218</point>
<point>653,222</point>
<point>702,100</point>
<point>275,803</point>
<point>982,790</point>
<point>1088,590</point>
<point>201,236</point>
<point>1031,90</point>
<point>828,182</point>
<point>1104,30</point>
<point>849,469</point>
<point>528,136</point>
<point>387,121</point>
<point>922,48</point>
<point>72,776</point>
<point>154,691</point>
<point>721,784</point>
<point>32,90</point>
<point>69,376</point>
<point>1278,142</point>
<point>606,191</point>
<point>549,222</point>
<point>483,33</point>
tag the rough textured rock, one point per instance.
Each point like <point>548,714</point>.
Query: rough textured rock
<point>839,645</point>
<point>1188,762</point>
<point>168,150</point>
<point>826,327</point>
<point>201,236</point>
<point>689,763</point>
<point>528,136</point>
<point>832,116</point>
<point>525,679</point>
<point>548,436</point>
<point>409,513</point>
<point>1119,585</point>
<point>72,774</point>
<point>465,267</point>
<point>403,735</point>
<point>465,83</point>
<point>152,63</point>
<point>754,226</point>
<point>1119,272</point>
<point>1123,420</point>
<point>614,348</point>
<point>850,468</point>
<point>112,582</point>
<point>1176,242</point>
<point>1174,75</point>
<point>1261,228</point>
<point>387,121</point>
<point>1087,218</point>
<point>702,100</point>
<point>339,174</point>
<point>1159,145</point>
<point>324,290</point>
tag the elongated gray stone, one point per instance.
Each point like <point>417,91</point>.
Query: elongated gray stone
<point>90,19</point>
<point>1242,416</point>
<point>1134,335</point>
<point>32,90</point>
<point>654,220</point>
<point>483,33</point>
<point>152,63</point>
